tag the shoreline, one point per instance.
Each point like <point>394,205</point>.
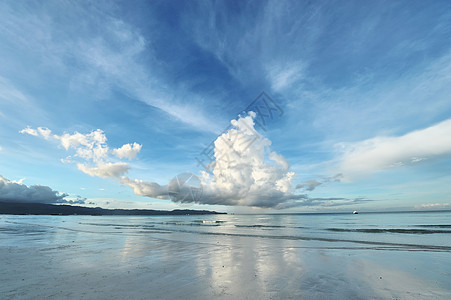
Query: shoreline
<point>42,209</point>
<point>42,259</point>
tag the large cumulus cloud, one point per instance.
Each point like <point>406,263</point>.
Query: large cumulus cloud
<point>244,169</point>
<point>244,172</point>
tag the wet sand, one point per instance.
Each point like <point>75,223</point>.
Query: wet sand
<point>86,265</point>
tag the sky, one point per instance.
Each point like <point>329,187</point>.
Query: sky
<point>234,106</point>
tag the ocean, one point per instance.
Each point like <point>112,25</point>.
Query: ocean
<point>280,256</point>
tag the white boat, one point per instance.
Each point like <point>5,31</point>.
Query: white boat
<point>355,212</point>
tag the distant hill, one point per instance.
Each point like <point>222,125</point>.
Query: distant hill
<point>20,208</point>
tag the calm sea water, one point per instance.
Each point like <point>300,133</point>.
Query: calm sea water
<point>413,231</point>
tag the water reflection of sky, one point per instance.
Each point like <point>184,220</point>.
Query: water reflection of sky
<point>129,255</point>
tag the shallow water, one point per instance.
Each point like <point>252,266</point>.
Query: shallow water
<point>429,231</point>
<point>397,255</point>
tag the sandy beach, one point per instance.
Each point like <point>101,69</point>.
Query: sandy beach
<point>57,261</point>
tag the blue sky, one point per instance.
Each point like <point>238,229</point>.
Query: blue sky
<point>364,88</point>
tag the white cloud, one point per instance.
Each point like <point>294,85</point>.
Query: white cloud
<point>369,156</point>
<point>245,173</point>
<point>91,147</point>
<point>146,188</point>
<point>128,151</point>
<point>42,131</point>
<point>282,76</point>
<point>96,62</point>
<point>105,170</point>
<point>29,131</point>
<point>11,191</point>
<point>311,184</point>
<point>417,159</point>
<point>16,106</point>
<point>433,206</point>
<point>10,94</point>
<point>67,160</point>
<point>20,181</point>
<point>111,203</point>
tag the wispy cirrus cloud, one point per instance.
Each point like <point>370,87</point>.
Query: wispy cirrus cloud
<point>9,93</point>
<point>270,44</point>
<point>104,54</point>
<point>14,101</point>
<point>283,75</point>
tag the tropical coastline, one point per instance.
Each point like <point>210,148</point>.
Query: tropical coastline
<point>25,208</point>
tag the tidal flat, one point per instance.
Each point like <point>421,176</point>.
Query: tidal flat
<point>223,257</point>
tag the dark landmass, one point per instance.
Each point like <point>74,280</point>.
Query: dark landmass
<point>20,208</point>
